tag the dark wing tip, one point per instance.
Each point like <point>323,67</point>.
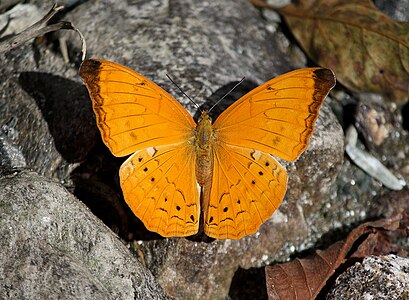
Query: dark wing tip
<point>325,79</point>
<point>90,67</point>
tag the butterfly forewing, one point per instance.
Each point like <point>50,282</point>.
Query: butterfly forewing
<point>132,112</point>
<point>277,117</point>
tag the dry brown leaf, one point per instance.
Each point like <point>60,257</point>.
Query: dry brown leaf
<point>304,278</point>
<point>368,51</point>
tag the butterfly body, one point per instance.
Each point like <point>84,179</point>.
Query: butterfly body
<point>204,140</point>
<point>220,176</point>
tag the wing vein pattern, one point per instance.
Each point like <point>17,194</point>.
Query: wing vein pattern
<point>246,183</point>
<point>125,103</point>
<point>160,187</point>
<point>287,105</point>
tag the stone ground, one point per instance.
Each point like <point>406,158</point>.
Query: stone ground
<point>65,231</point>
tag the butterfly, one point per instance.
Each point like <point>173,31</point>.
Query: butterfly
<point>218,177</point>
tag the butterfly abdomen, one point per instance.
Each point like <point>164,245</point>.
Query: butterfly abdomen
<point>204,149</point>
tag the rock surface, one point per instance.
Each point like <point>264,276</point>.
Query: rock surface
<point>53,247</point>
<point>381,278</point>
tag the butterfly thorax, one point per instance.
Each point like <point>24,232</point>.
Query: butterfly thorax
<point>204,139</point>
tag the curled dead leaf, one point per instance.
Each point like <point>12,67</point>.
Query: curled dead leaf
<point>304,278</point>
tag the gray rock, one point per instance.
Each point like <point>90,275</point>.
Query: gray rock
<point>398,10</point>
<point>53,247</point>
<point>10,156</point>
<point>381,278</point>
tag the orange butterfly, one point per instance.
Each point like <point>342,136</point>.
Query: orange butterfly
<point>182,173</point>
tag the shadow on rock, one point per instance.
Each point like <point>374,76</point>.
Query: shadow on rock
<point>67,110</point>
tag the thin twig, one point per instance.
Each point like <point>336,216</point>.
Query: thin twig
<point>40,28</point>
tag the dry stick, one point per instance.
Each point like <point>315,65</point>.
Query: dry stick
<point>41,28</point>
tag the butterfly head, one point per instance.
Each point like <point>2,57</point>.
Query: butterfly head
<point>204,117</point>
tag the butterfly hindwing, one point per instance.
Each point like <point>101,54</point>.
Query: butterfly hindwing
<point>132,112</point>
<point>159,185</point>
<point>277,117</point>
<point>247,187</point>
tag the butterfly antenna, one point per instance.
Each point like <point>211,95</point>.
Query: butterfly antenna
<point>240,82</point>
<point>197,105</point>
